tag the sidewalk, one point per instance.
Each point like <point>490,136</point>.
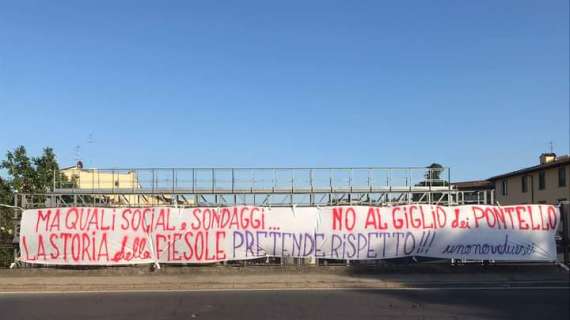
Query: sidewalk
<point>275,277</point>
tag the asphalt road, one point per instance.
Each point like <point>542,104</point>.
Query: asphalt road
<point>530,303</point>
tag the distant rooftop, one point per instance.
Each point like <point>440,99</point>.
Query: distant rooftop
<point>547,160</point>
<point>473,185</point>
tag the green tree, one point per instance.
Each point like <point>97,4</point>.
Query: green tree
<point>5,192</point>
<point>6,225</point>
<point>20,169</point>
<point>46,167</point>
<point>24,175</point>
<point>30,175</point>
<point>6,197</point>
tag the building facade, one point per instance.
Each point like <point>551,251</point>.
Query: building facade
<point>111,186</point>
<point>546,183</point>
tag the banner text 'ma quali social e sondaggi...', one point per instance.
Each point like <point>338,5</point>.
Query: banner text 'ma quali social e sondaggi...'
<point>115,236</point>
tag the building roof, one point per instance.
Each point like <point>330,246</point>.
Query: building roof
<point>69,168</point>
<point>78,165</point>
<point>475,184</point>
<point>562,160</point>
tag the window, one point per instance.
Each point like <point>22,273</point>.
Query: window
<point>562,177</point>
<point>524,184</point>
<point>541,180</point>
<point>504,186</point>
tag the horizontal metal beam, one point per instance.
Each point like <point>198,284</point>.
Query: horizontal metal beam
<point>131,191</point>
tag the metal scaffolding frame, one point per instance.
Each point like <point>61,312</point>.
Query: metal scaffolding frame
<point>216,187</point>
<point>377,186</point>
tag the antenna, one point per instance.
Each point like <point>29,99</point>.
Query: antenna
<point>551,147</point>
<point>77,153</point>
<point>90,142</point>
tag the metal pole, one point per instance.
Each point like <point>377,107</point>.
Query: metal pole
<point>448,186</point>
<point>193,180</point>
<point>173,180</point>
<point>274,180</point>
<point>430,180</point>
<point>78,185</point>
<point>293,181</point>
<point>233,180</point>
<point>16,224</point>
<point>213,179</point>
<point>350,179</point>
<point>565,217</point>
<point>252,186</point>
<point>311,179</point>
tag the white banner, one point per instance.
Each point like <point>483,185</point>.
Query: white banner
<point>114,236</point>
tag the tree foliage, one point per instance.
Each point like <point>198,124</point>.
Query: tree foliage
<point>5,192</point>
<point>6,197</point>
<point>30,175</point>
<point>24,175</point>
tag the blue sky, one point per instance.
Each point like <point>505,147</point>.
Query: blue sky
<point>480,86</point>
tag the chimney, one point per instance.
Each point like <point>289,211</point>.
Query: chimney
<point>547,158</point>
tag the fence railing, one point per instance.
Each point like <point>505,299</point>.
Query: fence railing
<point>249,180</point>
